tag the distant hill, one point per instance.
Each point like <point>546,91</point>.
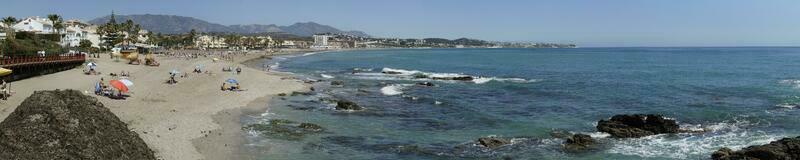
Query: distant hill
<point>171,24</point>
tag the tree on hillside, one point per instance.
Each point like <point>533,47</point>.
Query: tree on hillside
<point>9,22</point>
<point>53,18</point>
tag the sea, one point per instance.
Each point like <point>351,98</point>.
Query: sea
<point>733,96</point>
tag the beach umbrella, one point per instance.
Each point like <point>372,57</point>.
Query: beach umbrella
<point>4,71</point>
<point>174,71</point>
<point>231,80</point>
<point>127,82</point>
<point>118,85</point>
<point>91,64</point>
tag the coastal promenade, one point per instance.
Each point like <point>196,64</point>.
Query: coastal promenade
<point>168,117</point>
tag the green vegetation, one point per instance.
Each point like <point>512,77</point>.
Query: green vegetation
<point>28,43</point>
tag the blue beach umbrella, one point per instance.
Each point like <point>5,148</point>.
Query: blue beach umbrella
<point>231,80</point>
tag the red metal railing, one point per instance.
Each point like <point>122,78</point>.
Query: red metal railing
<point>40,59</point>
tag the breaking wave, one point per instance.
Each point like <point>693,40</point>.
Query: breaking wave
<point>735,135</point>
<point>402,74</point>
<point>394,89</point>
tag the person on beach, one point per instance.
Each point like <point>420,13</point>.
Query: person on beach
<point>238,70</point>
<point>5,89</point>
<point>223,87</point>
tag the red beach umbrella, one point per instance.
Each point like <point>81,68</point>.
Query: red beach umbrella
<point>118,85</point>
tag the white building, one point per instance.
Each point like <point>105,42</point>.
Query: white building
<point>206,41</point>
<point>73,35</point>
<point>321,42</point>
<point>35,24</point>
<point>143,36</point>
<point>92,36</point>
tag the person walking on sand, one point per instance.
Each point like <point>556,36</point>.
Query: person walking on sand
<point>238,70</point>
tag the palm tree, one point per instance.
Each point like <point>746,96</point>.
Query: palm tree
<point>190,37</point>
<point>58,26</point>
<point>9,21</point>
<point>53,18</point>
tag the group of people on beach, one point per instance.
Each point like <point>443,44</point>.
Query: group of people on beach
<point>233,87</point>
<point>193,54</point>
<point>102,89</point>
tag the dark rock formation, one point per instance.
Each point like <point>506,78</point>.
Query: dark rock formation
<point>637,125</point>
<point>285,129</point>
<point>492,142</point>
<point>464,78</point>
<point>67,125</point>
<point>391,72</point>
<point>296,93</point>
<point>347,105</point>
<point>337,83</point>
<point>578,142</point>
<point>310,126</point>
<point>784,149</point>
<point>427,84</point>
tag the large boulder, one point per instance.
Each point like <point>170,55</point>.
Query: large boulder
<point>784,149</point>
<point>67,125</point>
<point>492,142</point>
<point>578,142</point>
<point>347,105</point>
<point>637,125</point>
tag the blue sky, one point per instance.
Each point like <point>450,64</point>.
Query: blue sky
<point>585,22</point>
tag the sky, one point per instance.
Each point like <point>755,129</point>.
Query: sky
<point>606,23</point>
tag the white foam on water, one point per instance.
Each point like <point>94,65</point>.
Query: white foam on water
<point>482,80</point>
<point>394,89</point>
<point>402,74</point>
<point>598,134</point>
<point>794,82</point>
<point>363,69</point>
<point>310,53</point>
<point>692,145</point>
<point>326,76</point>
<point>785,105</point>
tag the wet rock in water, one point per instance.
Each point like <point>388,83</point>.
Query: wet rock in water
<point>560,133</point>
<point>578,142</point>
<point>310,126</point>
<point>347,105</point>
<point>337,83</point>
<point>420,76</point>
<point>296,93</point>
<point>637,125</point>
<point>784,149</point>
<point>65,124</point>
<point>492,142</point>
<point>462,78</point>
<point>391,72</point>
<point>427,84</point>
<point>281,94</point>
<point>285,129</point>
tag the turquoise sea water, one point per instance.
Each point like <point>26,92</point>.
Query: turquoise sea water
<point>741,96</point>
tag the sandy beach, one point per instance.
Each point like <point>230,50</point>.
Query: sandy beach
<point>192,119</point>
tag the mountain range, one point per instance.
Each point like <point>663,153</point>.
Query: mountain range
<point>172,24</point>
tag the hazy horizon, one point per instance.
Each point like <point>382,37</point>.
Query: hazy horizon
<point>623,23</point>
